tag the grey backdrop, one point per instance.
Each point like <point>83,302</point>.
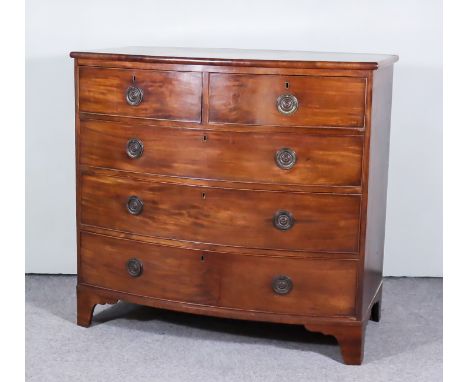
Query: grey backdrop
<point>411,29</point>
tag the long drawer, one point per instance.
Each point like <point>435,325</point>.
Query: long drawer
<point>246,218</point>
<point>287,100</point>
<point>141,93</point>
<point>268,284</point>
<point>233,156</point>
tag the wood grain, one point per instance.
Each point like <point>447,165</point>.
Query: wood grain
<point>377,173</point>
<point>320,287</point>
<point>210,185</point>
<point>241,57</point>
<point>251,100</point>
<point>323,222</point>
<point>166,94</point>
<point>229,156</point>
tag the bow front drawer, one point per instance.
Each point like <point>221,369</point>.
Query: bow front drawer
<point>231,156</point>
<point>146,269</point>
<point>287,100</point>
<point>245,218</point>
<point>254,283</point>
<point>154,94</point>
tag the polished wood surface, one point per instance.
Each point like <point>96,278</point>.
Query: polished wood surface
<point>377,172</point>
<point>166,94</point>
<point>251,100</point>
<point>240,57</point>
<point>323,222</point>
<point>350,337</point>
<point>85,304</point>
<point>211,186</point>
<point>320,287</point>
<point>168,273</point>
<point>228,156</point>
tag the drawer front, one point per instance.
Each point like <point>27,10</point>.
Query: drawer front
<point>268,284</point>
<point>141,93</point>
<point>255,219</point>
<point>243,157</point>
<point>266,100</point>
<point>167,273</point>
<point>295,286</point>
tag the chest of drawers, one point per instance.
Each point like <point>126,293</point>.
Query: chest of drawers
<point>241,184</point>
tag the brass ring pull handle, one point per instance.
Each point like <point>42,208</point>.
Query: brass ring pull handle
<point>134,267</point>
<point>134,95</point>
<point>134,205</point>
<point>283,220</point>
<point>282,284</point>
<point>287,104</point>
<point>134,148</point>
<point>285,158</point>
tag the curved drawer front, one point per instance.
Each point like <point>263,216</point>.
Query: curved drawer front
<point>141,93</point>
<point>287,100</point>
<point>242,157</point>
<point>315,287</point>
<point>167,273</point>
<point>255,219</point>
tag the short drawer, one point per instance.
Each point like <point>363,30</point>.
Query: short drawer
<point>291,286</point>
<point>268,284</point>
<point>242,157</point>
<point>287,100</point>
<point>246,218</point>
<point>167,95</point>
<point>162,272</point>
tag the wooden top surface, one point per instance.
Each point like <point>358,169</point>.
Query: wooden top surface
<point>244,57</point>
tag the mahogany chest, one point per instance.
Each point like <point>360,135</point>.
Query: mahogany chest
<point>234,183</point>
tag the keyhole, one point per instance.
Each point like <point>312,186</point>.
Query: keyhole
<point>202,258</point>
<point>205,138</point>
<point>286,84</point>
<point>133,78</point>
<point>203,195</point>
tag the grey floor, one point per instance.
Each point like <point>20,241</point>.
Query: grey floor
<point>132,343</point>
